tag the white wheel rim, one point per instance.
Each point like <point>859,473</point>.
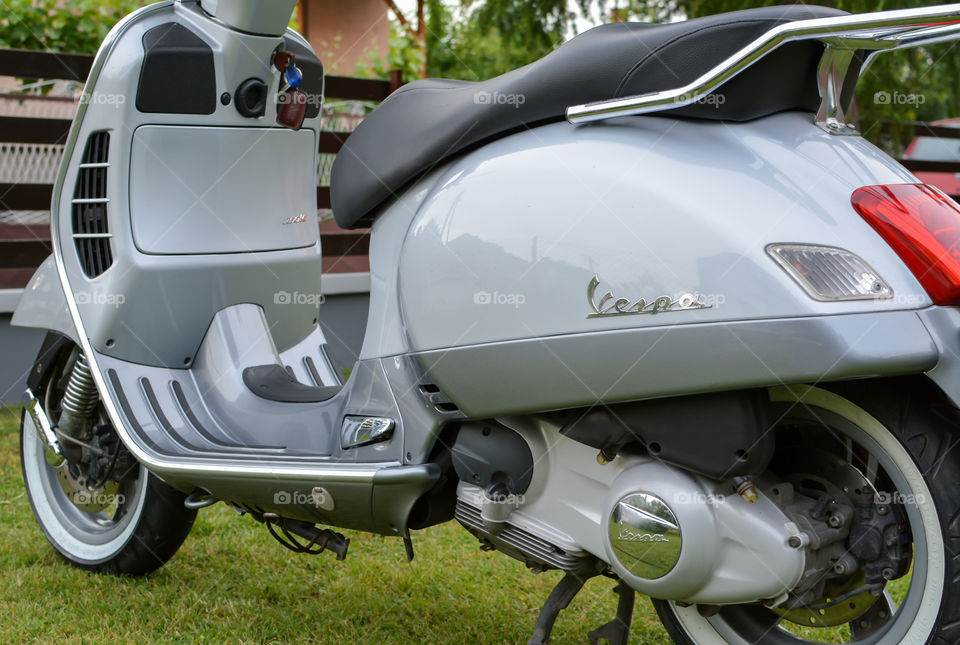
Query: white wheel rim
<point>926,607</point>
<point>63,539</point>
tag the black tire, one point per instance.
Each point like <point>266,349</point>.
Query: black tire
<point>143,522</point>
<point>927,425</point>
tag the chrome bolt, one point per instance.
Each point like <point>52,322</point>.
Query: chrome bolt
<point>835,521</point>
<point>795,542</point>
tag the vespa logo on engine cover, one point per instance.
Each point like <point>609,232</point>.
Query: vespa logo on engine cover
<point>645,536</point>
<point>610,306</point>
<point>629,534</point>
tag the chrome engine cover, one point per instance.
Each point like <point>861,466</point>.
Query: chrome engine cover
<point>645,537</point>
<point>665,532</point>
<point>696,540</point>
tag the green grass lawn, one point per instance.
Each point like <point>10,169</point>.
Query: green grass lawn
<point>231,583</point>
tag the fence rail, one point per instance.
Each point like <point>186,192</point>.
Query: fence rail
<point>24,247</point>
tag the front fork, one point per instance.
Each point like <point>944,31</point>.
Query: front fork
<point>52,452</point>
<point>78,408</point>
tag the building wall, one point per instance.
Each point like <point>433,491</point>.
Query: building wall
<point>343,33</point>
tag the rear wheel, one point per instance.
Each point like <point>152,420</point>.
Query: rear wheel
<point>900,438</point>
<point>103,512</point>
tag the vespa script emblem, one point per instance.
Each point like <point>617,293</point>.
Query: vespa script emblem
<point>295,219</point>
<point>610,306</point>
<point>629,534</point>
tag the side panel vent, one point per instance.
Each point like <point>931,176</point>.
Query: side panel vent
<point>437,399</point>
<point>89,212</point>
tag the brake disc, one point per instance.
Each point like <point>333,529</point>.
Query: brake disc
<point>839,613</point>
<point>91,500</point>
<point>838,477</point>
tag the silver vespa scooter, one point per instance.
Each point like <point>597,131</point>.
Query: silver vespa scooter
<point>647,308</point>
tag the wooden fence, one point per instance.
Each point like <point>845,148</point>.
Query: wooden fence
<point>23,247</point>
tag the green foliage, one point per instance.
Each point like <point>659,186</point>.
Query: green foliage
<point>911,85</point>
<point>478,39</point>
<point>404,54</point>
<point>54,25</point>
<point>491,37</point>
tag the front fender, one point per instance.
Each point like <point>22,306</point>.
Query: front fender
<point>43,304</point>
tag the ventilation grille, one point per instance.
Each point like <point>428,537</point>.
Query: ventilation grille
<point>520,544</point>
<point>90,232</point>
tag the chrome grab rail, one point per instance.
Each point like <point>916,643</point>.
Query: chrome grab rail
<point>847,38</point>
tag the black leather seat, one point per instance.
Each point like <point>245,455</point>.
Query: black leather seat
<point>431,120</point>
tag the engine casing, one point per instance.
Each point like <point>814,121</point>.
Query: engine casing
<point>713,548</point>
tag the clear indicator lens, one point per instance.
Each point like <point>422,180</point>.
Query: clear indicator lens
<point>830,274</point>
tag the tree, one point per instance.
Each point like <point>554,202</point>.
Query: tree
<point>478,39</point>
<point>493,36</point>
<point>475,39</point>
<point>52,25</point>
<point>919,84</point>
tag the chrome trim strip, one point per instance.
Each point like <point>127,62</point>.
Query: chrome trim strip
<point>98,164</point>
<point>92,236</point>
<point>51,445</point>
<point>354,473</point>
<point>879,31</point>
<point>90,200</point>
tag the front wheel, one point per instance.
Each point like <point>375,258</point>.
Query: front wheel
<point>104,511</point>
<point>902,439</point>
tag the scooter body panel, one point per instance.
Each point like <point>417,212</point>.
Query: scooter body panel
<point>193,230</point>
<point>652,207</point>
<point>168,335</point>
<point>495,272</point>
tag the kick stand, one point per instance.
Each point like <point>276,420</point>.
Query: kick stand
<point>617,631</point>
<point>557,601</point>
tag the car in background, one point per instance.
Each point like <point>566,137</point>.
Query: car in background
<point>927,147</point>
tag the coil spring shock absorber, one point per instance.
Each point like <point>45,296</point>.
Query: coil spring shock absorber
<point>77,408</point>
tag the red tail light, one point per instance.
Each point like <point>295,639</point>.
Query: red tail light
<point>922,225</point>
